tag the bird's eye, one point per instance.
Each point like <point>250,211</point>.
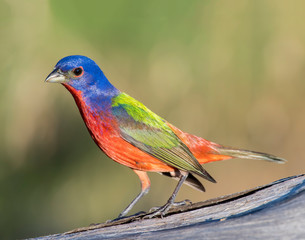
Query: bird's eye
<point>78,71</point>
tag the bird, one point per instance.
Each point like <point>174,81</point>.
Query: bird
<point>134,136</point>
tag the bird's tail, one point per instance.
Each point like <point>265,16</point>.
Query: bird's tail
<point>247,154</point>
<point>206,151</point>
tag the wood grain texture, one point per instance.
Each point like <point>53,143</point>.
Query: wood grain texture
<point>273,211</point>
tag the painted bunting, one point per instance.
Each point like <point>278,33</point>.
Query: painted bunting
<point>132,135</point>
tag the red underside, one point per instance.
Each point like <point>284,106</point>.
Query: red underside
<point>106,135</point>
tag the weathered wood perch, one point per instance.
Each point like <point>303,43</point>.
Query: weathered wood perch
<point>273,211</point>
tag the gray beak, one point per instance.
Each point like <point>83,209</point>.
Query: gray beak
<point>56,76</point>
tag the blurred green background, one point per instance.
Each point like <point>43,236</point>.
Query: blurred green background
<point>231,72</point>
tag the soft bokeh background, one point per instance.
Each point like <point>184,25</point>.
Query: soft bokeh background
<point>232,72</point>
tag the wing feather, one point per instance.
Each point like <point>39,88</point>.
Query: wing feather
<point>147,131</point>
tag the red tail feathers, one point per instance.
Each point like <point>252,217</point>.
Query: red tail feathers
<point>206,151</point>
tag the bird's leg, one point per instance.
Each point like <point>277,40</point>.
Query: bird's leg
<point>145,185</point>
<point>164,209</point>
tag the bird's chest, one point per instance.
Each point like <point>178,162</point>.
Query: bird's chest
<point>102,126</point>
<point>104,130</point>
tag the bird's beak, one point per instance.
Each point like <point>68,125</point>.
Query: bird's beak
<point>56,76</point>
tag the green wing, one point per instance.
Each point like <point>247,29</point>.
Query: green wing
<point>150,133</point>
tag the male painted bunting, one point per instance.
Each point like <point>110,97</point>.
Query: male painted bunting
<point>132,135</point>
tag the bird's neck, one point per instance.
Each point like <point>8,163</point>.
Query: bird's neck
<point>96,101</point>
<point>95,111</point>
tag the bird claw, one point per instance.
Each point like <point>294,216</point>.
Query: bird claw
<point>122,217</point>
<point>162,211</point>
<point>158,211</point>
<point>182,203</point>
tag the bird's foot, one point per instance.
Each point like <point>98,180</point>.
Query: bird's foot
<point>120,217</point>
<point>162,211</point>
<point>158,211</point>
<point>182,203</point>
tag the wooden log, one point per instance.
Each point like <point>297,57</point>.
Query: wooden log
<point>273,211</point>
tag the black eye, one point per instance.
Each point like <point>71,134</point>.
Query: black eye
<point>78,71</point>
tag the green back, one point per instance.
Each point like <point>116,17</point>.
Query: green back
<point>151,134</point>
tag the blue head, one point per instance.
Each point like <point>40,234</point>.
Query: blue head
<point>82,74</point>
